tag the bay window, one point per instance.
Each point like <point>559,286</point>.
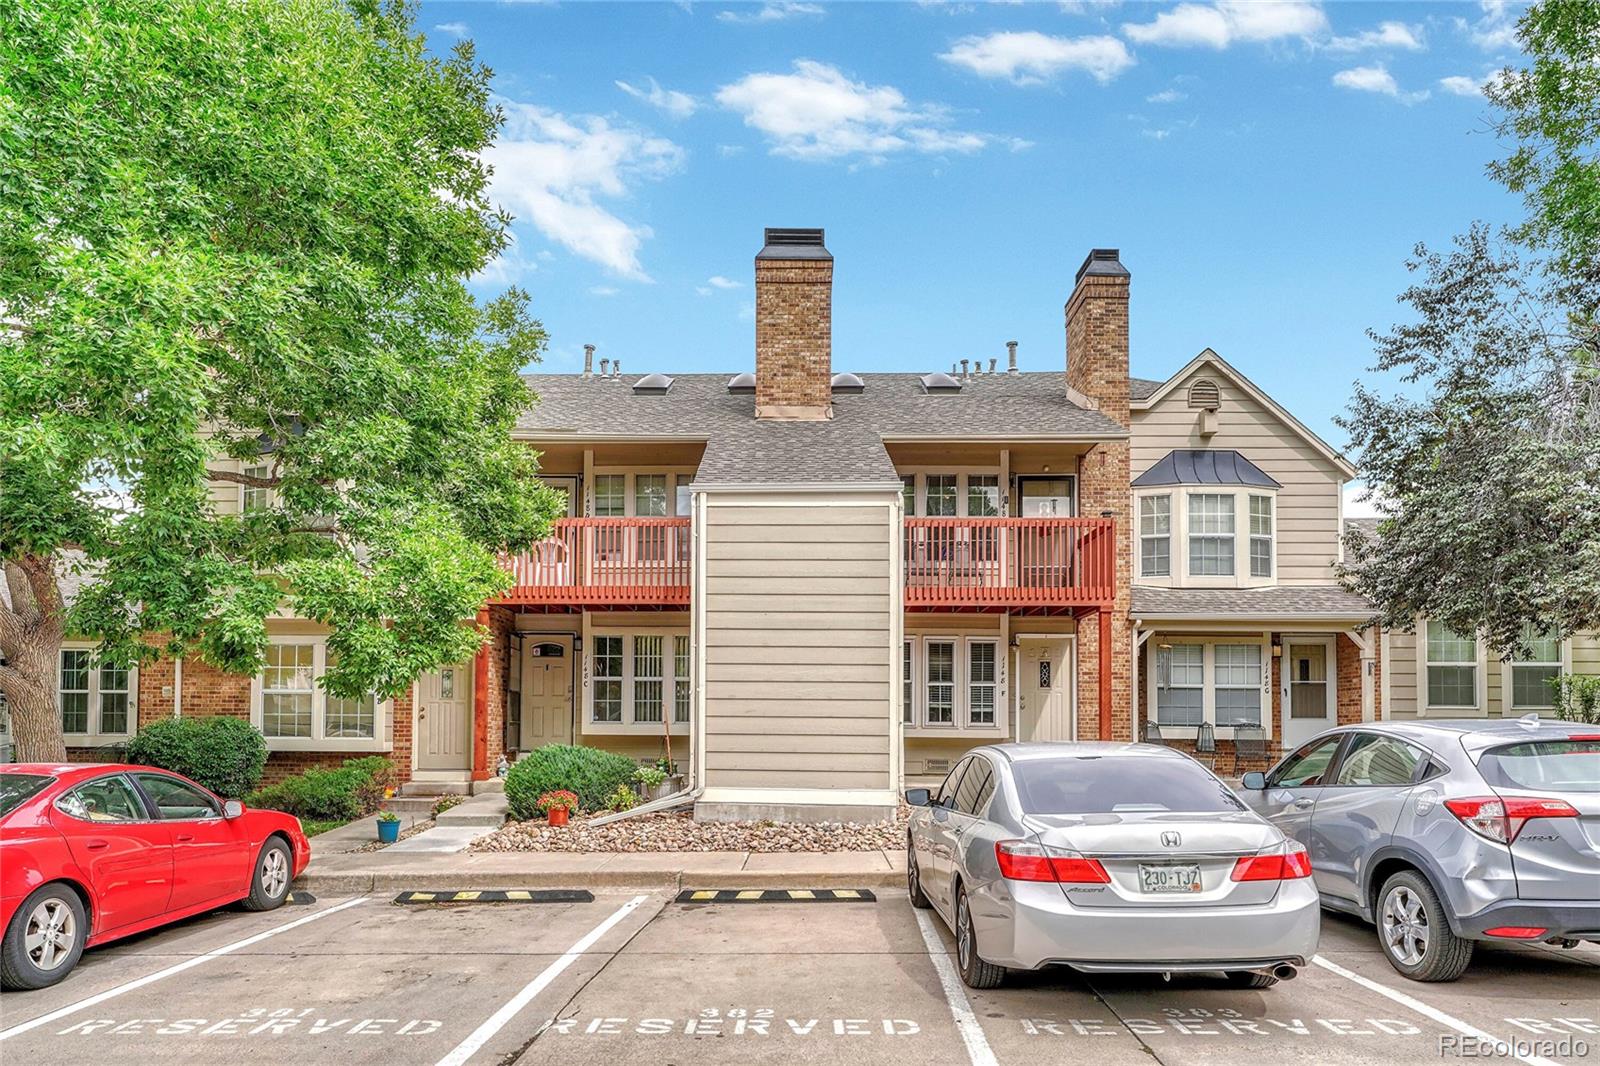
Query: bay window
<point>1452,662</point>
<point>1155,536</point>
<point>1211,534</point>
<point>1532,675</point>
<point>1261,532</point>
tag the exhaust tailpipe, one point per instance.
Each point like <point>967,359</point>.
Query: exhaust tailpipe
<point>1284,972</point>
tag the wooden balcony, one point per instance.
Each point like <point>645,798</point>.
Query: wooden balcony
<point>1009,563</point>
<point>600,562</point>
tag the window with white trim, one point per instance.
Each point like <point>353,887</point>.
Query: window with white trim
<point>1452,662</point>
<point>908,494</point>
<point>295,713</point>
<point>939,495</point>
<point>1237,684</point>
<point>610,495</point>
<point>983,495</point>
<point>1532,677</point>
<point>982,681</point>
<point>253,498</point>
<point>608,678</point>
<point>1211,534</point>
<point>73,688</point>
<point>113,701</point>
<point>1180,684</point>
<point>648,668</point>
<point>650,495</point>
<point>1261,530</point>
<point>682,691</point>
<point>1155,536</point>
<point>288,688</point>
<point>908,683</point>
<point>940,671</point>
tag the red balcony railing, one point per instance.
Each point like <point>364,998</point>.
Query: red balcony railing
<point>623,561</point>
<point>1009,562</point>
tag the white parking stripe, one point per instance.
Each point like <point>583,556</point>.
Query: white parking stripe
<point>84,1004</point>
<point>1426,1011</point>
<point>978,1049</point>
<point>497,1021</point>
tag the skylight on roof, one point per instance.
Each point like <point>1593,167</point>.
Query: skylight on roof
<point>938,381</point>
<point>848,383</point>
<point>745,382</point>
<point>652,385</point>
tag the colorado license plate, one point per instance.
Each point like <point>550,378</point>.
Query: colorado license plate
<point>1169,878</point>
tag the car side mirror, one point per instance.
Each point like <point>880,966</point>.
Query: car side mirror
<point>232,809</point>
<point>919,797</point>
<point>1255,780</point>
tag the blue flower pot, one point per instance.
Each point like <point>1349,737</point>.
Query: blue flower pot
<point>388,832</point>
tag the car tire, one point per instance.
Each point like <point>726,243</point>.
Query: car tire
<point>269,882</point>
<point>1414,931</point>
<point>1249,979</point>
<point>919,898</point>
<point>975,973</point>
<point>54,919</point>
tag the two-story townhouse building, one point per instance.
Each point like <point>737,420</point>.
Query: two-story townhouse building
<point>812,586</point>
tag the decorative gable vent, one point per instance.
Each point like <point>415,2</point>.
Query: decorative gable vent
<point>1204,395</point>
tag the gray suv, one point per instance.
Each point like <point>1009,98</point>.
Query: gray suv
<point>1444,833</point>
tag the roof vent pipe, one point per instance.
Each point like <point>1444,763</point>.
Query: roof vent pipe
<point>616,368</point>
<point>952,368</point>
<point>1011,358</point>
<point>588,360</point>
<point>605,367</point>
<point>965,373</point>
<point>992,364</point>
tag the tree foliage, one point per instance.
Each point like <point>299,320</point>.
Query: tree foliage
<point>234,246</point>
<point>1485,467</point>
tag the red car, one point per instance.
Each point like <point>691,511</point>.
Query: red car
<point>91,853</point>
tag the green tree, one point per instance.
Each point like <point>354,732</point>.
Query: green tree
<point>234,244</point>
<point>1486,469</point>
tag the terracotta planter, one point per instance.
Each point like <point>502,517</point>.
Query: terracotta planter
<point>557,816</point>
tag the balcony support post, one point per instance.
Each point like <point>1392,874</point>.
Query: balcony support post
<point>480,705</point>
<point>1105,673</point>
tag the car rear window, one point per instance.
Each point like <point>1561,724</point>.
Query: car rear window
<point>15,788</point>
<point>1560,765</point>
<point>1097,785</point>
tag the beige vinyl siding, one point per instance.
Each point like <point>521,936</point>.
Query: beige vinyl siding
<point>799,642</point>
<point>1407,675</point>
<point>1402,667</point>
<point>1586,653</point>
<point>1307,511</point>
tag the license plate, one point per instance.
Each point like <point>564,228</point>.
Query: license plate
<point>1169,878</point>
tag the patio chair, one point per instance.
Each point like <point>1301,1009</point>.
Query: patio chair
<point>1205,744</point>
<point>1249,745</point>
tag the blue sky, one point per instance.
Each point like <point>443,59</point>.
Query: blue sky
<point>1264,167</point>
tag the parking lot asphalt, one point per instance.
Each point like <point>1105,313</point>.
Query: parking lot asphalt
<point>641,978</point>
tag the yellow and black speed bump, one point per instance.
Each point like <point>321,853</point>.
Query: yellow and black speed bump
<point>499,895</point>
<point>300,898</point>
<point>776,895</point>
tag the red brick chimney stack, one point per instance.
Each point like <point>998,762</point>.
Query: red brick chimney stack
<point>794,326</point>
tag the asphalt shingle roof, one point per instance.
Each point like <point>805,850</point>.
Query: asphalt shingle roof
<point>1142,388</point>
<point>1330,600</point>
<point>847,448</point>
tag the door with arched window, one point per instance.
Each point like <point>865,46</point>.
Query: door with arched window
<point>546,691</point>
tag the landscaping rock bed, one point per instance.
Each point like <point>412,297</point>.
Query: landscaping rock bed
<point>378,845</point>
<point>680,832</point>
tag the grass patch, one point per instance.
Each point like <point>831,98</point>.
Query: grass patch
<point>313,826</point>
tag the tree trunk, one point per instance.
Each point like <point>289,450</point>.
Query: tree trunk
<point>30,642</point>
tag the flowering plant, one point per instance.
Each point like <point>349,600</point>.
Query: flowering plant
<point>567,801</point>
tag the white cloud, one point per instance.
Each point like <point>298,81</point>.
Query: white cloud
<point>771,12</point>
<point>1375,79</point>
<point>1459,85</point>
<point>1497,29</point>
<point>551,169</point>
<point>1166,96</point>
<point>1032,58</point>
<point>603,290</point>
<point>1354,505</point>
<point>717,281</point>
<point>817,113</point>
<point>675,103</point>
<point>454,29</point>
<point>1387,35</point>
<point>1228,22</point>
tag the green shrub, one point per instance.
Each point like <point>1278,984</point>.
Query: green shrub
<point>589,772</point>
<point>224,754</point>
<point>350,791</point>
<point>1577,698</point>
<point>623,799</point>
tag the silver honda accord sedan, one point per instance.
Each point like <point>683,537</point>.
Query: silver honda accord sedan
<point>1107,858</point>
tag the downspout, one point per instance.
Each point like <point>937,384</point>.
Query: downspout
<point>177,687</point>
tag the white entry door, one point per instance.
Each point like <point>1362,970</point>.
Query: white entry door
<point>444,719</point>
<point>1045,691</point>
<point>1310,704</point>
<point>546,691</point>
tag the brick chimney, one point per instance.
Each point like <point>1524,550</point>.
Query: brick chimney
<point>1097,334</point>
<point>794,326</point>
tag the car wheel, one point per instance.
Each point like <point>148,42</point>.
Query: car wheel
<point>1250,979</point>
<point>1415,933</point>
<point>974,971</point>
<point>44,940</point>
<point>269,885</point>
<point>919,898</point>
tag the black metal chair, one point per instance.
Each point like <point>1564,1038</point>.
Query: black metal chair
<point>1205,744</point>
<point>1249,744</point>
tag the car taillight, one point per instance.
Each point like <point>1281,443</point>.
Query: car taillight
<point>1516,932</point>
<point>1288,864</point>
<point>1501,818</point>
<point>1021,861</point>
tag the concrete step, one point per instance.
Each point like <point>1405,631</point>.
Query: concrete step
<point>436,788</point>
<point>421,806</point>
<point>494,784</point>
<point>488,809</point>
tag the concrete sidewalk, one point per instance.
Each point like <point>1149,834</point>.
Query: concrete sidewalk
<point>387,871</point>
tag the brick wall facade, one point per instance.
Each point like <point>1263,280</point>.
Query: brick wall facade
<point>1097,367</point>
<point>1347,658</point>
<point>794,338</point>
<point>501,624</point>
